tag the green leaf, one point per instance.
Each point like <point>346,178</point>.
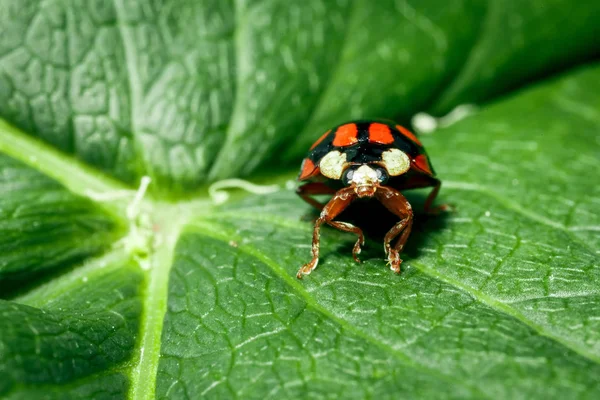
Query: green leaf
<point>42,224</point>
<point>498,299</point>
<point>108,292</point>
<point>74,340</point>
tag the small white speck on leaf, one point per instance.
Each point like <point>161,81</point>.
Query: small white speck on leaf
<point>219,196</point>
<point>425,123</point>
<point>290,185</point>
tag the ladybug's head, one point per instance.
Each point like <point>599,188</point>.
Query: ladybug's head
<point>365,178</point>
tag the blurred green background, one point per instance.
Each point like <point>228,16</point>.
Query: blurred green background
<point>190,91</point>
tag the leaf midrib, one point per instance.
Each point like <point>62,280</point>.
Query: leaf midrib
<point>154,308</point>
<point>134,84</point>
<point>76,176</point>
<point>239,50</point>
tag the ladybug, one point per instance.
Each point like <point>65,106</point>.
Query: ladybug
<point>366,159</point>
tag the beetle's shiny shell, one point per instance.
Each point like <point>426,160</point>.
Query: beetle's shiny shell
<point>364,142</point>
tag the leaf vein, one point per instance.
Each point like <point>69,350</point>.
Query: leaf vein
<point>506,309</point>
<point>518,208</point>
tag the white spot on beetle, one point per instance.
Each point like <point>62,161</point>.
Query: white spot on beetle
<point>332,164</point>
<point>396,162</point>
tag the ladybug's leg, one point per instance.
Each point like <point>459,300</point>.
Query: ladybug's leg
<point>308,189</point>
<point>332,209</point>
<point>396,203</point>
<point>346,227</point>
<point>431,198</point>
<point>393,253</point>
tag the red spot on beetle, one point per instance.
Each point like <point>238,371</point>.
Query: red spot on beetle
<point>346,135</point>
<point>308,169</point>
<point>380,133</point>
<point>422,164</point>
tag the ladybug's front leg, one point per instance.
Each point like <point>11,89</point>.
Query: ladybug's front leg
<point>332,209</point>
<point>395,202</point>
<point>346,227</point>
